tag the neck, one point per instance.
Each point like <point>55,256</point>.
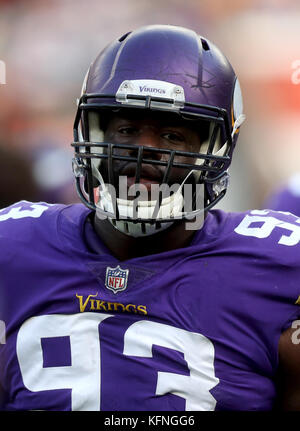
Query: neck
<point>126,247</point>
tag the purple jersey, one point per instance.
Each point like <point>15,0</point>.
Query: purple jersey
<point>195,328</point>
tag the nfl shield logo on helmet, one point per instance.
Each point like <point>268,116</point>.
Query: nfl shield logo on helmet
<point>116,278</point>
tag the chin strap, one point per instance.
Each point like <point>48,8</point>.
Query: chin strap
<point>170,207</point>
<point>139,229</point>
<point>145,209</point>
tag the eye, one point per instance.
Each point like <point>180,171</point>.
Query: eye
<point>173,137</point>
<point>127,130</point>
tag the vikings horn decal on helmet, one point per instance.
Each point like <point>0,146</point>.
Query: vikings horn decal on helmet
<point>171,70</point>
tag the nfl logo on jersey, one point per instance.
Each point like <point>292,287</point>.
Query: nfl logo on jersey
<point>116,278</point>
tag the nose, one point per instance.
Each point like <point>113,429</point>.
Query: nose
<point>148,138</point>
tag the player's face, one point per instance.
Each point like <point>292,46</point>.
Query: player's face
<point>156,130</point>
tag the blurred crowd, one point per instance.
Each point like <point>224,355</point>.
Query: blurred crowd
<point>47,46</point>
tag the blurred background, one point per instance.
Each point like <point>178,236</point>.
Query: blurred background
<point>47,46</point>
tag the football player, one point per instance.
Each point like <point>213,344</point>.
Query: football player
<point>144,297</point>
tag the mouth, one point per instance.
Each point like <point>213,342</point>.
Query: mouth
<point>149,175</point>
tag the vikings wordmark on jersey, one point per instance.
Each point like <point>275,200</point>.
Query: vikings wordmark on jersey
<point>193,330</point>
<point>94,303</point>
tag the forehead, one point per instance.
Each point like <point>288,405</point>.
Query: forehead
<point>158,118</point>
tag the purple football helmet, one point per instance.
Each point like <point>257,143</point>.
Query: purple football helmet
<point>174,71</point>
